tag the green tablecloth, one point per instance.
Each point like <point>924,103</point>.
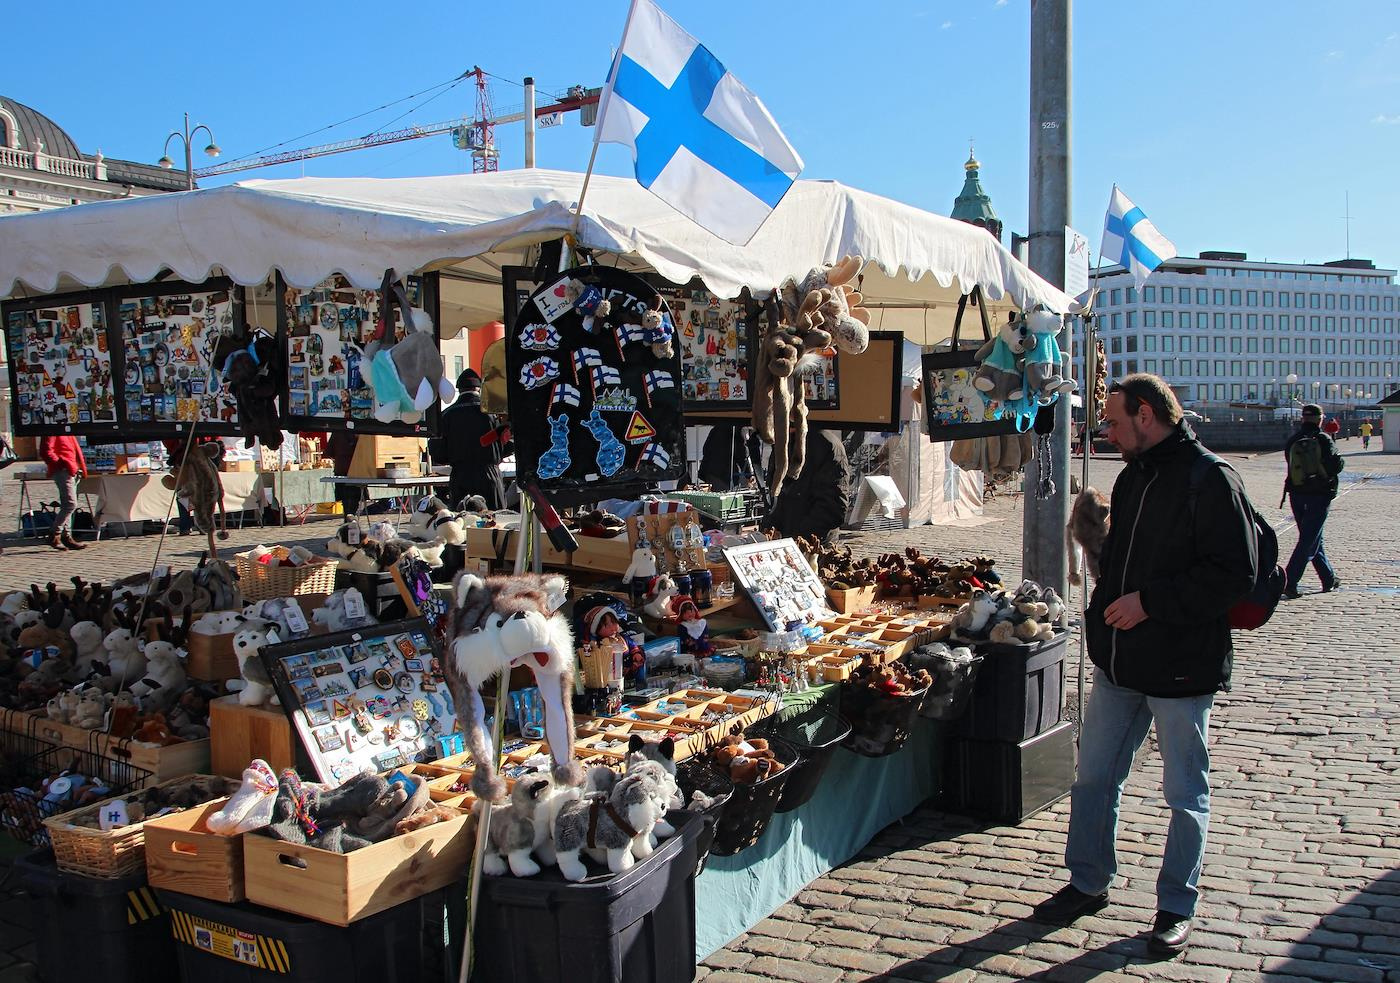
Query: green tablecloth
<point>857,798</point>
<point>292,489</point>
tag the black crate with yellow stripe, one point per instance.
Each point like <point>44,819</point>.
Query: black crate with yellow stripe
<point>114,929</point>
<point>244,943</point>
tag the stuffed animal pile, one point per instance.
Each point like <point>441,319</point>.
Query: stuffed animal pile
<point>747,760</point>
<point>366,809</point>
<point>904,575</point>
<point>1026,616</point>
<point>430,530</point>
<point>891,679</point>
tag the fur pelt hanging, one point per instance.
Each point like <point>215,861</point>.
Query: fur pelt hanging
<point>804,320</point>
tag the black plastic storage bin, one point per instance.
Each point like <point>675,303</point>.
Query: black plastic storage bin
<point>816,734</point>
<point>633,927</point>
<point>246,943</point>
<point>751,808</point>
<point>694,775</point>
<point>1020,692</point>
<point>953,684</point>
<point>112,929</point>
<point>880,722</point>
<point>1008,782</point>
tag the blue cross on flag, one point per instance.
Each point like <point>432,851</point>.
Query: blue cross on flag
<point>1131,240</point>
<point>702,142</point>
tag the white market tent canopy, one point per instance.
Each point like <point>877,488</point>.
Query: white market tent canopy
<point>471,225</point>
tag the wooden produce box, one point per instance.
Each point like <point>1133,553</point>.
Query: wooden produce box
<point>603,555</point>
<point>339,889</point>
<point>238,734</point>
<point>164,763</point>
<point>374,451</point>
<point>182,855</point>
<point>851,601</point>
<point>211,657</point>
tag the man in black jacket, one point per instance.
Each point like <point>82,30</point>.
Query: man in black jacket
<point>472,444</point>
<point>1310,485</point>
<point>1159,636</point>
<point>814,502</point>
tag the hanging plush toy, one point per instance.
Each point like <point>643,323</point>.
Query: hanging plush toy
<point>1044,373</point>
<point>406,377</point>
<point>251,366</point>
<point>1002,372</point>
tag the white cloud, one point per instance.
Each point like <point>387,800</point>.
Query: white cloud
<point>946,24</point>
<point>1385,120</point>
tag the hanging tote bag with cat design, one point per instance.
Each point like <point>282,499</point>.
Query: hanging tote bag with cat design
<point>955,409</point>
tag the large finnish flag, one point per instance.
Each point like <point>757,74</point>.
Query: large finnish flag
<point>1130,238</point>
<point>702,142</point>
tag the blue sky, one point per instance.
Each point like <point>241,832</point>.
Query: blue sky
<point>1236,125</point>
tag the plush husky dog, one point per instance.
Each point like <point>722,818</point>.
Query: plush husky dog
<point>519,827</point>
<point>616,828</point>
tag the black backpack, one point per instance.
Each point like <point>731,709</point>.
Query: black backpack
<point>1257,607</point>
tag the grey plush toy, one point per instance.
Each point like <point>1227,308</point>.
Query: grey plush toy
<point>616,829</point>
<point>520,826</point>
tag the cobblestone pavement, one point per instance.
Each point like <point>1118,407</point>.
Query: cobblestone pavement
<point>1301,879</point>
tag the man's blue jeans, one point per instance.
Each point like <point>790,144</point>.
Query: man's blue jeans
<point>1114,726</point>
<point>1309,514</point>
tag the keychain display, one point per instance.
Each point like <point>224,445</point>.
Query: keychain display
<point>373,698</point>
<point>168,342</point>
<point>780,582</point>
<point>591,366</point>
<point>60,363</point>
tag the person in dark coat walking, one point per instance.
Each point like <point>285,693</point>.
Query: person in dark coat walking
<point>1311,457</point>
<point>1158,632</point>
<point>473,445</point>
<point>815,502</point>
<point>724,459</point>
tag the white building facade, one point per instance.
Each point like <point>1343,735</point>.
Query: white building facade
<point>1224,330</point>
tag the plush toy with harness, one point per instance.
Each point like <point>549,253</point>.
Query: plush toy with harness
<point>251,366</point>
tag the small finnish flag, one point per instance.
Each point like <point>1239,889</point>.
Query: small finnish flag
<point>1130,238</point>
<point>585,358</point>
<point>701,141</point>
<point>605,375</point>
<point>655,455</point>
<point>659,380</point>
<point>564,393</point>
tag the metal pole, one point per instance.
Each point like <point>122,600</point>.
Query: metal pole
<point>189,158</point>
<point>1043,542</point>
<point>529,121</point>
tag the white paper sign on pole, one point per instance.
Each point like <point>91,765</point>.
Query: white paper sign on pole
<point>1076,263</point>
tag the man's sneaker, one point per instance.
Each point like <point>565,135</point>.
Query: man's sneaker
<point>1170,933</point>
<point>1067,904</point>
<point>1291,594</point>
<point>1334,585</point>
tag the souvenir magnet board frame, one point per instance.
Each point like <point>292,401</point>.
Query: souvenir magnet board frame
<point>371,698</point>
<point>780,582</point>
<point>593,407</point>
<point>715,379</point>
<point>169,332</point>
<point>323,325</point>
<point>870,384</point>
<point>48,337</point>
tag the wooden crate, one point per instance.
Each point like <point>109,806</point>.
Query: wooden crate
<point>339,889</point>
<point>375,451</point>
<point>851,601</point>
<point>211,657</point>
<point>182,855</point>
<point>238,734</point>
<point>164,763</point>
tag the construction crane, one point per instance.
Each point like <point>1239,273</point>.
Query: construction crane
<point>476,135</point>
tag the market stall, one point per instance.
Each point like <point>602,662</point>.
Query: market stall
<point>673,638</point>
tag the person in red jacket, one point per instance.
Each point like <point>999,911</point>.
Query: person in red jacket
<point>66,465</point>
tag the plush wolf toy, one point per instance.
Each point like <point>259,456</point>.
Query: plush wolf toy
<point>500,623</point>
<point>519,828</point>
<point>617,829</point>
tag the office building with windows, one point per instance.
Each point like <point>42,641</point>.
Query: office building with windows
<point>1223,330</point>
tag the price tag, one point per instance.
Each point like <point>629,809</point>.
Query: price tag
<point>349,424</point>
<point>159,572</point>
<point>352,535</point>
<point>354,604</point>
<point>296,619</point>
<point>113,816</point>
<point>272,637</point>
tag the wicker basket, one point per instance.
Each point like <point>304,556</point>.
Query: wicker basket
<point>93,852</point>
<point>263,581</point>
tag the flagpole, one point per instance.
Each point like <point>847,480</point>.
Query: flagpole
<point>572,236</point>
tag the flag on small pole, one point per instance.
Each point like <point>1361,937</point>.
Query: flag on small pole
<point>1130,238</point>
<point>702,142</point>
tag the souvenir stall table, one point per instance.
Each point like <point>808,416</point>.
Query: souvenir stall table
<point>620,399</point>
<point>142,497</point>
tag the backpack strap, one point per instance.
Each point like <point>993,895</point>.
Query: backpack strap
<point>1197,478</point>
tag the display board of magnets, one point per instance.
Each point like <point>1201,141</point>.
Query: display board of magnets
<point>371,698</point>
<point>60,357</point>
<point>780,582</point>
